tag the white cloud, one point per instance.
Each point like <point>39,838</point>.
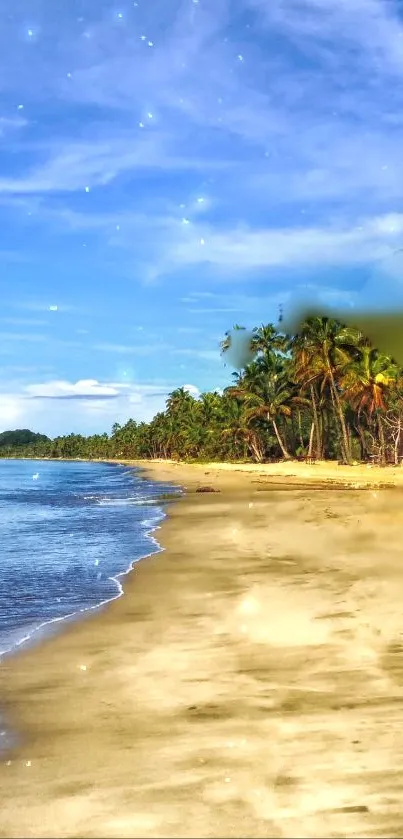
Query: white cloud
<point>37,306</point>
<point>86,406</point>
<point>338,94</point>
<point>75,167</point>
<point>373,27</point>
<point>245,248</point>
<point>124,349</point>
<point>191,81</point>
<point>59,389</point>
<point>11,321</point>
<point>10,411</point>
<point>193,390</point>
<point>21,337</point>
<point>353,239</point>
<point>207,355</point>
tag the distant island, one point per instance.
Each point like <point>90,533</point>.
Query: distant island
<point>324,393</point>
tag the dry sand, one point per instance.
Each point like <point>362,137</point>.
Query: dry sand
<point>249,683</point>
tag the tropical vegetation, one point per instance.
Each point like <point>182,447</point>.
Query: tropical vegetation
<point>322,393</point>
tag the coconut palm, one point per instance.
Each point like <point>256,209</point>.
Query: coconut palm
<point>268,395</point>
<point>321,350</point>
<point>366,381</point>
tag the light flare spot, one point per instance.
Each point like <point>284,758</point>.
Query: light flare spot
<point>250,606</point>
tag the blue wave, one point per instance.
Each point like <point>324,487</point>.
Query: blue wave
<point>68,531</point>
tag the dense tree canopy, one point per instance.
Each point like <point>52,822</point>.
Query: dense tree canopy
<point>21,437</point>
<point>324,392</point>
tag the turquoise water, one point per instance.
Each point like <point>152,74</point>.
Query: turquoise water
<point>68,532</point>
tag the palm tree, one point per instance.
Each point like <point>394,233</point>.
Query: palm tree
<point>268,342</point>
<point>366,381</point>
<point>237,429</point>
<point>321,350</point>
<point>267,395</point>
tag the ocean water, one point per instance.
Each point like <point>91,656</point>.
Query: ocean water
<point>68,532</point>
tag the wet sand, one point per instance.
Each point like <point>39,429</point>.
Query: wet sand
<point>249,683</point>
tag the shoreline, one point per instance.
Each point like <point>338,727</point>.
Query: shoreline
<point>30,641</point>
<point>295,473</point>
<point>43,630</point>
<point>246,684</point>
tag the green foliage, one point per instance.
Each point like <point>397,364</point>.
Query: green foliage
<point>21,437</point>
<point>323,392</point>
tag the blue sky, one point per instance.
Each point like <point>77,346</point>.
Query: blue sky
<point>168,169</point>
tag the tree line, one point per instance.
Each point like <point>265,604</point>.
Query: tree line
<point>323,393</point>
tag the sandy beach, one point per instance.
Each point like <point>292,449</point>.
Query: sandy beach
<point>248,684</point>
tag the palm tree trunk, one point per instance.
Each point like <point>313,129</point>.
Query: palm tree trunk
<point>301,438</point>
<point>338,431</point>
<point>346,454</point>
<point>286,454</point>
<point>325,433</point>
<point>381,439</point>
<point>256,449</point>
<point>397,440</point>
<point>362,440</point>
<point>316,423</point>
<point>311,440</point>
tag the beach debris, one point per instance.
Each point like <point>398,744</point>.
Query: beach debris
<point>207,489</point>
<point>250,504</point>
<point>82,666</point>
<point>28,763</point>
<point>35,477</point>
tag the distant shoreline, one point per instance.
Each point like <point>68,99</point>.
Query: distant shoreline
<point>293,473</point>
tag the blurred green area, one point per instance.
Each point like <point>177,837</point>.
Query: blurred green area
<point>383,328</point>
